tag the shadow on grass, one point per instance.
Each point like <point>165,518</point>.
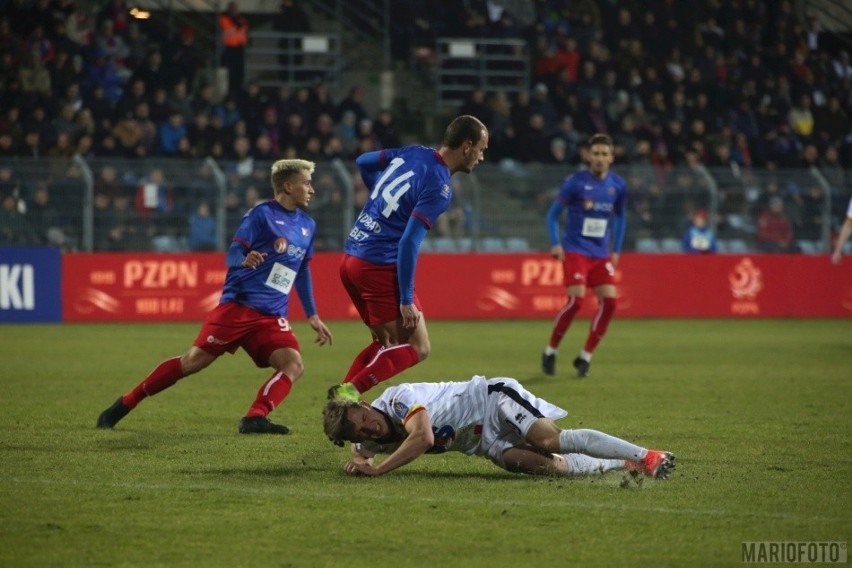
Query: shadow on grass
<point>303,468</point>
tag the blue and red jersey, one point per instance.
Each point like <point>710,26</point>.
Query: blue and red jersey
<point>596,212</point>
<point>287,238</point>
<point>412,181</point>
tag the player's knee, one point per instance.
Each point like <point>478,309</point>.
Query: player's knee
<point>194,361</point>
<point>544,435</point>
<point>423,352</point>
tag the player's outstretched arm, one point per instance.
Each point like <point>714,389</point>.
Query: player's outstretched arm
<point>420,439</point>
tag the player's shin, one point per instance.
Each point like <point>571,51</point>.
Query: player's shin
<point>162,377</point>
<point>599,445</point>
<point>563,320</point>
<point>388,363</point>
<point>271,394</point>
<point>600,323</point>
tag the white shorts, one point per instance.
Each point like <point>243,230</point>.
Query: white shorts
<point>510,412</point>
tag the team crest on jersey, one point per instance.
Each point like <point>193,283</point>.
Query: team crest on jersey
<point>280,245</point>
<point>588,204</point>
<point>445,191</point>
<point>400,409</point>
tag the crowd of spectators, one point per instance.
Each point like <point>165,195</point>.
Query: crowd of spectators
<point>735,85</point>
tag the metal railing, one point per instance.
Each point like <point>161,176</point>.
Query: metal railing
<point>154,204</point>
<point>298,60</point>
<point>467,64</point>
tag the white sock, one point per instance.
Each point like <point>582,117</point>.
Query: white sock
<point>549,350</point>
<point>585,355</point>
<point>599,445</point>
<point>579,464</point>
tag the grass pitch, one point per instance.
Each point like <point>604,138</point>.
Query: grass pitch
<point>758,413</point>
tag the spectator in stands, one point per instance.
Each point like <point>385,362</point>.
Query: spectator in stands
<point>774,229</point>
<point>234,28</point>
<point>44,217</point>
<point>168,134</point>
<point>202,229</point>
<point>386,131</point>
<point>534,141</point>
<point>699,237</point>
<point>34,77</point>
<point>183,58</point>
<point>180,100</point>
<point>354,102</point>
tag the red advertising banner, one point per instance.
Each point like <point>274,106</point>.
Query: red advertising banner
<point>156,287</point>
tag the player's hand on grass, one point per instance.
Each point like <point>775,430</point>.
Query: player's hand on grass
<point>356,468</point>
<point>323,333</point>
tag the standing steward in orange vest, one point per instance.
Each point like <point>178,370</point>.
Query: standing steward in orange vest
<point>234,28</point>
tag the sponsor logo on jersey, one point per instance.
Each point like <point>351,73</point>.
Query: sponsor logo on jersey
<point>592,205</point>
<point>369,223</point>
<point>399,409</point>
<point>588,187</point>
<point>282,246</point>
<point>520,417</point>
<point>445,191</point>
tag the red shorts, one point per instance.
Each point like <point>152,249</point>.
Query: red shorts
<point>233,325</point>
<point>373,289</point>
<point>587,271</point>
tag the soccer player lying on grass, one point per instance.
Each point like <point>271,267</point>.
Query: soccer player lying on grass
<point>495,418</point>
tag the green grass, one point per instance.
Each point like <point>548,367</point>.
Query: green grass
<point>758,413</point>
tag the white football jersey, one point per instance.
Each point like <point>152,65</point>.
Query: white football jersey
<point>464,415</point>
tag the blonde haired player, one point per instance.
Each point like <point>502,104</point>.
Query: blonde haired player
<point>268,257</point>
<point>495,418</point>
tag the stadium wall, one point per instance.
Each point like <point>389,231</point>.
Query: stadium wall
<point>40,285</point>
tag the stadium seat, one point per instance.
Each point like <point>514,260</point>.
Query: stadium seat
<point>492,244</point>
<point>808,247</point>
<point>737,246</point>
<point>444,244</point>
<point>671,245</point>
<point>647,245</point>
<point>517,244</point>
<point>464,244</point>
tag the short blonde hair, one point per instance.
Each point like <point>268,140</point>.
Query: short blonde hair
<point>283,170</point>
<point>335,422</point>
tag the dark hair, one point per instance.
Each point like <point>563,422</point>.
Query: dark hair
<point>464,127</point>
<point>600,139</point>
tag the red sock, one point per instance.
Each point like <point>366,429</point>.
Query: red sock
<point>362,360</point>
<point>271,394</point>
<point>387,363</point>
<point>564,318</point>
<point>165,375</point>
<point>600,323</point>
